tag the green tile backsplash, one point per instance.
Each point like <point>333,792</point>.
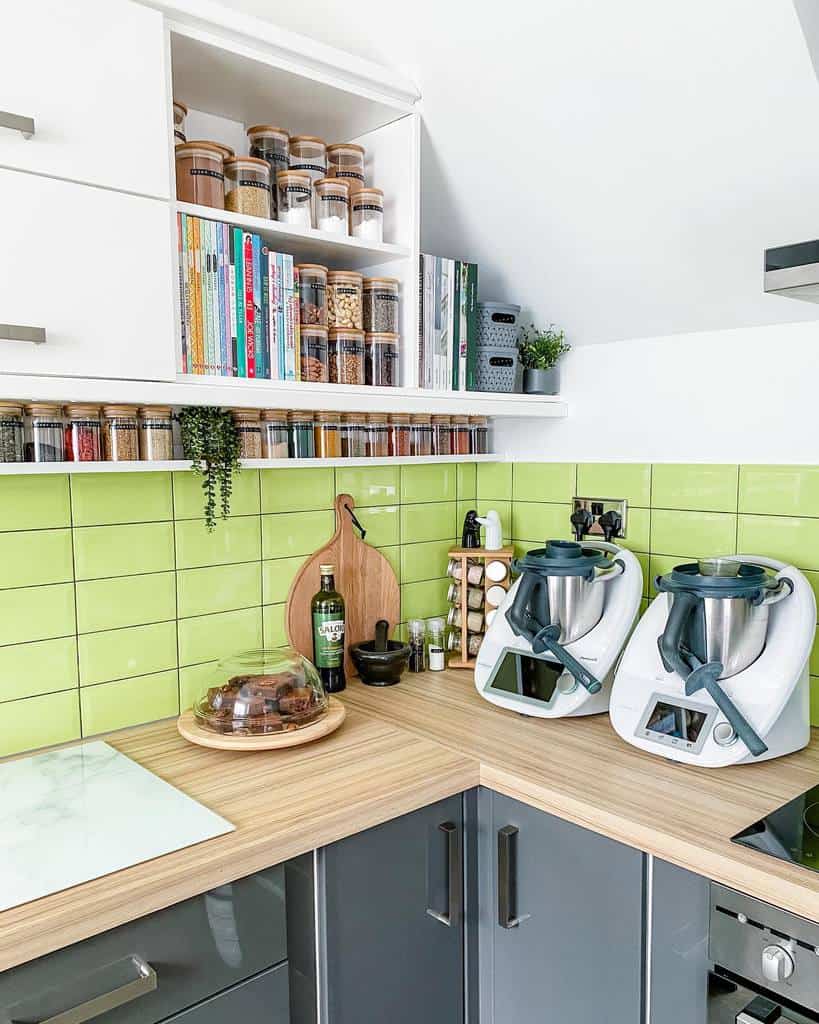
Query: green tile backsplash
<point>115,602</point>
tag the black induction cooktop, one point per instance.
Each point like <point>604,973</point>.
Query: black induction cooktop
<point>790,833</point>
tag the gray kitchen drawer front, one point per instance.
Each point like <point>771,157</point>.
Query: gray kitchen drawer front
<point>261,1000</point>
<point>196,949</point>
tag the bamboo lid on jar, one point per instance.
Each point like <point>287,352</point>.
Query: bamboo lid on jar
<point>345,332</point>
<point>156,411</point>
<point>311,268</point>
<point>479,421</point>
<point>339,276</point>
<point>327,417</point>
<point>377,417</point>
<point>345,147</point>
<point>44,409</point>
<point>268,129</point>
<point>292,177</point>
<point>210,148</point>
<point>460,420</point>
<point>382,337</point>
<point>245,415</point>
<point>313,329</point>
<point>300,415</point>
<point>181,105</point>
<point>333,185</point>
<point>420,418</point>
<point>10,408</point>
<point>274,415</point>
<point>381,282</point>
<point>441,420</point>
<point>400,417</point>
<point>244,161</point>
<point>81,411</point>
<point>112,411</point>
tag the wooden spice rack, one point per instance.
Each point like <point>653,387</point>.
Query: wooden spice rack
<point>462,659</point>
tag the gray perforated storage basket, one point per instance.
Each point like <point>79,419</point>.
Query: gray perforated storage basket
<point>498,324</point>
<point>496,368</point>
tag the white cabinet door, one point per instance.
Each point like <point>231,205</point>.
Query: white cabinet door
<point>91,267</point>
<point>91,74</point>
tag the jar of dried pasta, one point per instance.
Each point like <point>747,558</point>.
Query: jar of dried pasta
<point>120,433</point>
<point>249,428</point>
<point>345,290</point>
<point>314,358</point>
<point>345,350</point>
<point>155,433</point>
<point>247,186</point>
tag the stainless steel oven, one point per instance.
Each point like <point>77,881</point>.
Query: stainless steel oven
<point>765,963</point>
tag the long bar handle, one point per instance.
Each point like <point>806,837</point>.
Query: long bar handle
<point>140,985</point>
<point>17,123</point>
<point>19,332</point>
<point>454,881</point>
<point>506,866</point>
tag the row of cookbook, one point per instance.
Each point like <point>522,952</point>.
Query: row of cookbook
<point>239,303</point>
<point>447,324</point>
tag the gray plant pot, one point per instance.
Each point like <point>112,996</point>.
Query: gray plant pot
<point>541,382</point>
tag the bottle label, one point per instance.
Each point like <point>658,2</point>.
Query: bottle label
<point>437,662</point>
<point>328,639</point>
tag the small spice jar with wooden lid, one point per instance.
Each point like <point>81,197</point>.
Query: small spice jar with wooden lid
<point>120,435</point>
<point>300,438</point>
<point>200,173</point>
<point>294,198</point>
<point>11,432</point>
<point>332,200</point>
<point>460,435</point>
<point>345,290</point>
<point>314,364</point>
<point>420,434</point>
<point>155,433</point>
<point>400,433</point>
<point>312,294</point>
<point>247,186</point>
<point>249,428</point>
<point>346,355</point>
<point>327,435</point>
<point>274,434</point>
<point>480,435</point>
<point>83,433</point>
<point>354,435</point>
<point>272,144</point>
<point>46,433</point>
<point>441,435</point>
<point>346,160</point>
<point>381,304</point>
<point>378,441</point>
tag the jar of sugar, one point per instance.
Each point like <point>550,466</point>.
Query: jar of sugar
<point>295,194</point>
<point>332,200</point>
<point>367,214</point>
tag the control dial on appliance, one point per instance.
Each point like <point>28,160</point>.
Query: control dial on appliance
<point>777,963</point>
<point>724,734</point>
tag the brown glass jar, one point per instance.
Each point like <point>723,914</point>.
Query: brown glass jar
<point>120,433</point>
<point>249,427</point>
<point>378,445</point>
<point>460,444</point>
<point>421,434</point>
<point>441,435</point>
<point>327,435</point>
<point>400,434</point>
<point>200,174</point>
<point>274,434</point>
<point>315,366</point>
<point>155,433</point>
<point>345,348</point>
<point>247,186</point>
<point>480,435</point>
<point>312,294</point>
<point>354,435</point>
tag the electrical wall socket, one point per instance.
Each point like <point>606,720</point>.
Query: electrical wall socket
<point>598,507</point>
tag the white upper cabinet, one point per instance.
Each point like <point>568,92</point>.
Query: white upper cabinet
<point>91,75</point>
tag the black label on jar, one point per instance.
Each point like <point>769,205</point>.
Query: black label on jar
<point>248,430</point>
<point>149,425</point>
<point>352,347</point>
<point>47,425</point>
<point>350,174</point>
<point>250,183</point>
<point>368,206</point>
<point>177,134</point>
<point>308,167</point>
<point>335,199</point>
<point>341,290</point>
<point>204,172</point>
<point>297,189</point>
<point>385,296</point>
<point>122,427</point>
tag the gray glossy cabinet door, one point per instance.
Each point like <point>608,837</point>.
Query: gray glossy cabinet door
<point>264,999</point>
<point>561,921</point>
<point>678,951</point>
<point>393,921</point>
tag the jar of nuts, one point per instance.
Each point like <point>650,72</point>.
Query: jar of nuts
<point>312,294</point>
<point>346,355</point>
<point>345,290</point>
<point>120,433</point>
<point>314,361</point>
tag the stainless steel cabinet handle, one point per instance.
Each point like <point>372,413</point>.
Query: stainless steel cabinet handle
<point>18,332</point>
<point>17,123</point>
<point>506,867</point>
<point>454,881</point>
<point>132,978</point>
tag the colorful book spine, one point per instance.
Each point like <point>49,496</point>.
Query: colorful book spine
<point>258,325</point>
<point>239,286</point>
<point>455,352</point>
<point>462,278</point>
<point>230,287</point>
<point>180,263</point>
<point>296,315</point>
<point>281,317</point>
<point>210,353</point>
<point>471,326</point>
<point>220,297</point>
<point>291,367</point>
<point>273,314</point>
<point>250,320</point>
<point>196,295</point>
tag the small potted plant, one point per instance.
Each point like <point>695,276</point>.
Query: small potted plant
<point>539,352</point>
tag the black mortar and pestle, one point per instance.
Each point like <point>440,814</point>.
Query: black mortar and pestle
<point>380,662</point>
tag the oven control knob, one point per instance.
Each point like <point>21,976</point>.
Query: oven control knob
<point>777,964</point>
<point>724,734</point>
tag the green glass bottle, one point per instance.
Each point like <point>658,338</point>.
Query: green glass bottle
<point>327,608</point>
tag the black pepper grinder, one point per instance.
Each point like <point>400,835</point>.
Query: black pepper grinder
<point>471,535</point>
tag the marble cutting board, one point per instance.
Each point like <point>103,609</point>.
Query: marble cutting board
<point>68,816</point>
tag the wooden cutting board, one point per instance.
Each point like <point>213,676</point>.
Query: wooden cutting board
<point>364,578</point>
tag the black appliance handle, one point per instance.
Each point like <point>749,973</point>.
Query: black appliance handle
<point>670,641</point>
<point>518,615</point>
<point>705,677</point>
<point>546,640</point>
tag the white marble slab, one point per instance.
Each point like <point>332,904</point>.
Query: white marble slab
<point>67,816</point>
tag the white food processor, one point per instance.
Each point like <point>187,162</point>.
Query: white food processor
<point>552,646</point>
<point>716,672</point>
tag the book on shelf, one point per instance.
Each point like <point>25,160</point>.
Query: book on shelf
<point>238,303</point>
<point>447,323</point>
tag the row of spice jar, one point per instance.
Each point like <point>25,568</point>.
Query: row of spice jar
<point>345,298</point>
<point>45,432</point>
<point>300,434</point>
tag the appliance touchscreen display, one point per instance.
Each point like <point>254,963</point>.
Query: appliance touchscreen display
<point>529,677</point>
<point>671,720</point>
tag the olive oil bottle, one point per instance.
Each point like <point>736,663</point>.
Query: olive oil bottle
<point>327,609</point>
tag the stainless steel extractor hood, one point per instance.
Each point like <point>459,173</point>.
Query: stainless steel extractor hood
<point>793,270</point>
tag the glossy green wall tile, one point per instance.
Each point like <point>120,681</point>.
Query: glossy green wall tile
<point>789,538</point>
<point>494,480</point>
<point>638,529</point>
<point>218,588</point>
<point>46,666</point>
<point>275,634</point>
<point>121,653</point>
<point>544,481</point>
<point>629,480</point>
<point>188,499</point>
<point>286,534</point>
<point>277,575</point>
<point>32,557</point>
<point>425,561</point>
<point>434,521</point>
<point>102,499</point>
<point>539,522</point>
<point>297,490</point>
<point>369,485</point>
<point>706,533</point>
<point>40,722</point>
<point>697,487</point>
<point>466,480</point>
<point>209,637</point>
<point>129,702</point>
<point>105,551</point>
<point>422,600</point>
<point>428,483</point>
<point>382,523</point>
<point>235,540</point>
<point>779,490</point>
<point>37,613</point>
<point>125,601</point>
<point>34,502</point>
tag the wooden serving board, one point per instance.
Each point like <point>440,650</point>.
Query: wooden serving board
<point>193,731</point>
<point>364,578</point>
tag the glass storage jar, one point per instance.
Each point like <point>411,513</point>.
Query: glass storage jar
<point>308,153</point>
<point>420,434</point>
<point>441,435</point>
<point>378,442</point>
<point>460,435</point>
<point>294,197</point>
<point>474,620</point>
<point>354,435</point>
<point>474,596</point>
<point>83,433</point>
<point>400,433</point>
<point>314,359</point>
<point>249,428</point>
<point>300,441</point>
<point>274,434</point>
<point>312,294</point>
<point>332,198</point>
<point>474,571</point>
<point>344,299</point>
<point>200,173</point>
<point>381,304</point>
<point>47,442</point>
<point>474,641</point>
<point>346,160</point>
<point>346,355</point>
<point>381,352</point>
<point>247,186</point>
<point>120,433</point>
<point>180,112</point>
<point>271,144</point>
<point>155,433</point>
<point>11,432</point>
<point>480,435</point>
<point>327,435</point>
<point>262,692</point>
<point>367,214</point>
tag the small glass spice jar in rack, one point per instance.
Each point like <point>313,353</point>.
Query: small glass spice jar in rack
<point>300,438</point>
<point>247,186</point>
<point>46,434</point>
<point>274,434</point>
<point>11,432</point>
<point>354,435</point>
<point>345,349</point>
<point>441,435</point>
<point>294,193</point>
<point>120,433</point>
<point>312,294</point>
<point>155,433</point>
<point>461,443</point>
<point>479,435</point>
<point>249,428</point>
<point>327,435</point>
<point>420,434</point>
<point>332,199</point>
<point>378,442</point>
<point>83,433</point>
<point>400,434</point>
<point>474,571</point>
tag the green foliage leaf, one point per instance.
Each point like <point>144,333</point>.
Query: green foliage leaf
<point>210,440</point>
<point>541,349</point>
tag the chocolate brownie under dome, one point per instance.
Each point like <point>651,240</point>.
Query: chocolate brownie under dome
<point>261,692</point>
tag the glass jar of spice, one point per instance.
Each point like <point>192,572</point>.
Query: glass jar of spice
<point>327,435</point>
<point>480,435</point>
<point>83,433</point>
<point>308,154</point>
<point>332,199</point>
<point>381,304</point>
<point>155,433</point>
<point>381,351</point>
<point>294,197</point>
<point>274,434</point>
<point>378,442</point>
<point>344,299</point>
<point>11,432</point>
<point>249,428</point>
<point>420,434</point>
<point>474,620</point>
<point>314,358</point>
<point>47,442</point>
<point>400,433</point>
<point>367,214</point>
<point>346,160</point>
<point>200,175</point>
<point>460,443</point>
<point>441,435</point>
<point>346,355</point>
<point>474,641</point>
<point>312,294</point>
<point>271,144</point>
<point>247,186</point>
<point>120,434</point>
<point>300,441</point>
<point>354,435</point>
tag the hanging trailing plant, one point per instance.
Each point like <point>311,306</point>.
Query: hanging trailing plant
<point>211,442</point>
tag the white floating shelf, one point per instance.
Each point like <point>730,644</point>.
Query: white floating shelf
<point>340,252</point>
<point>180,465</point>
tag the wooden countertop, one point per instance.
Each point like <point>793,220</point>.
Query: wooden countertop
<point>406,746</point>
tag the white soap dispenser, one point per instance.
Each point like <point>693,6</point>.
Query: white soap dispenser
<point>493,534</point>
